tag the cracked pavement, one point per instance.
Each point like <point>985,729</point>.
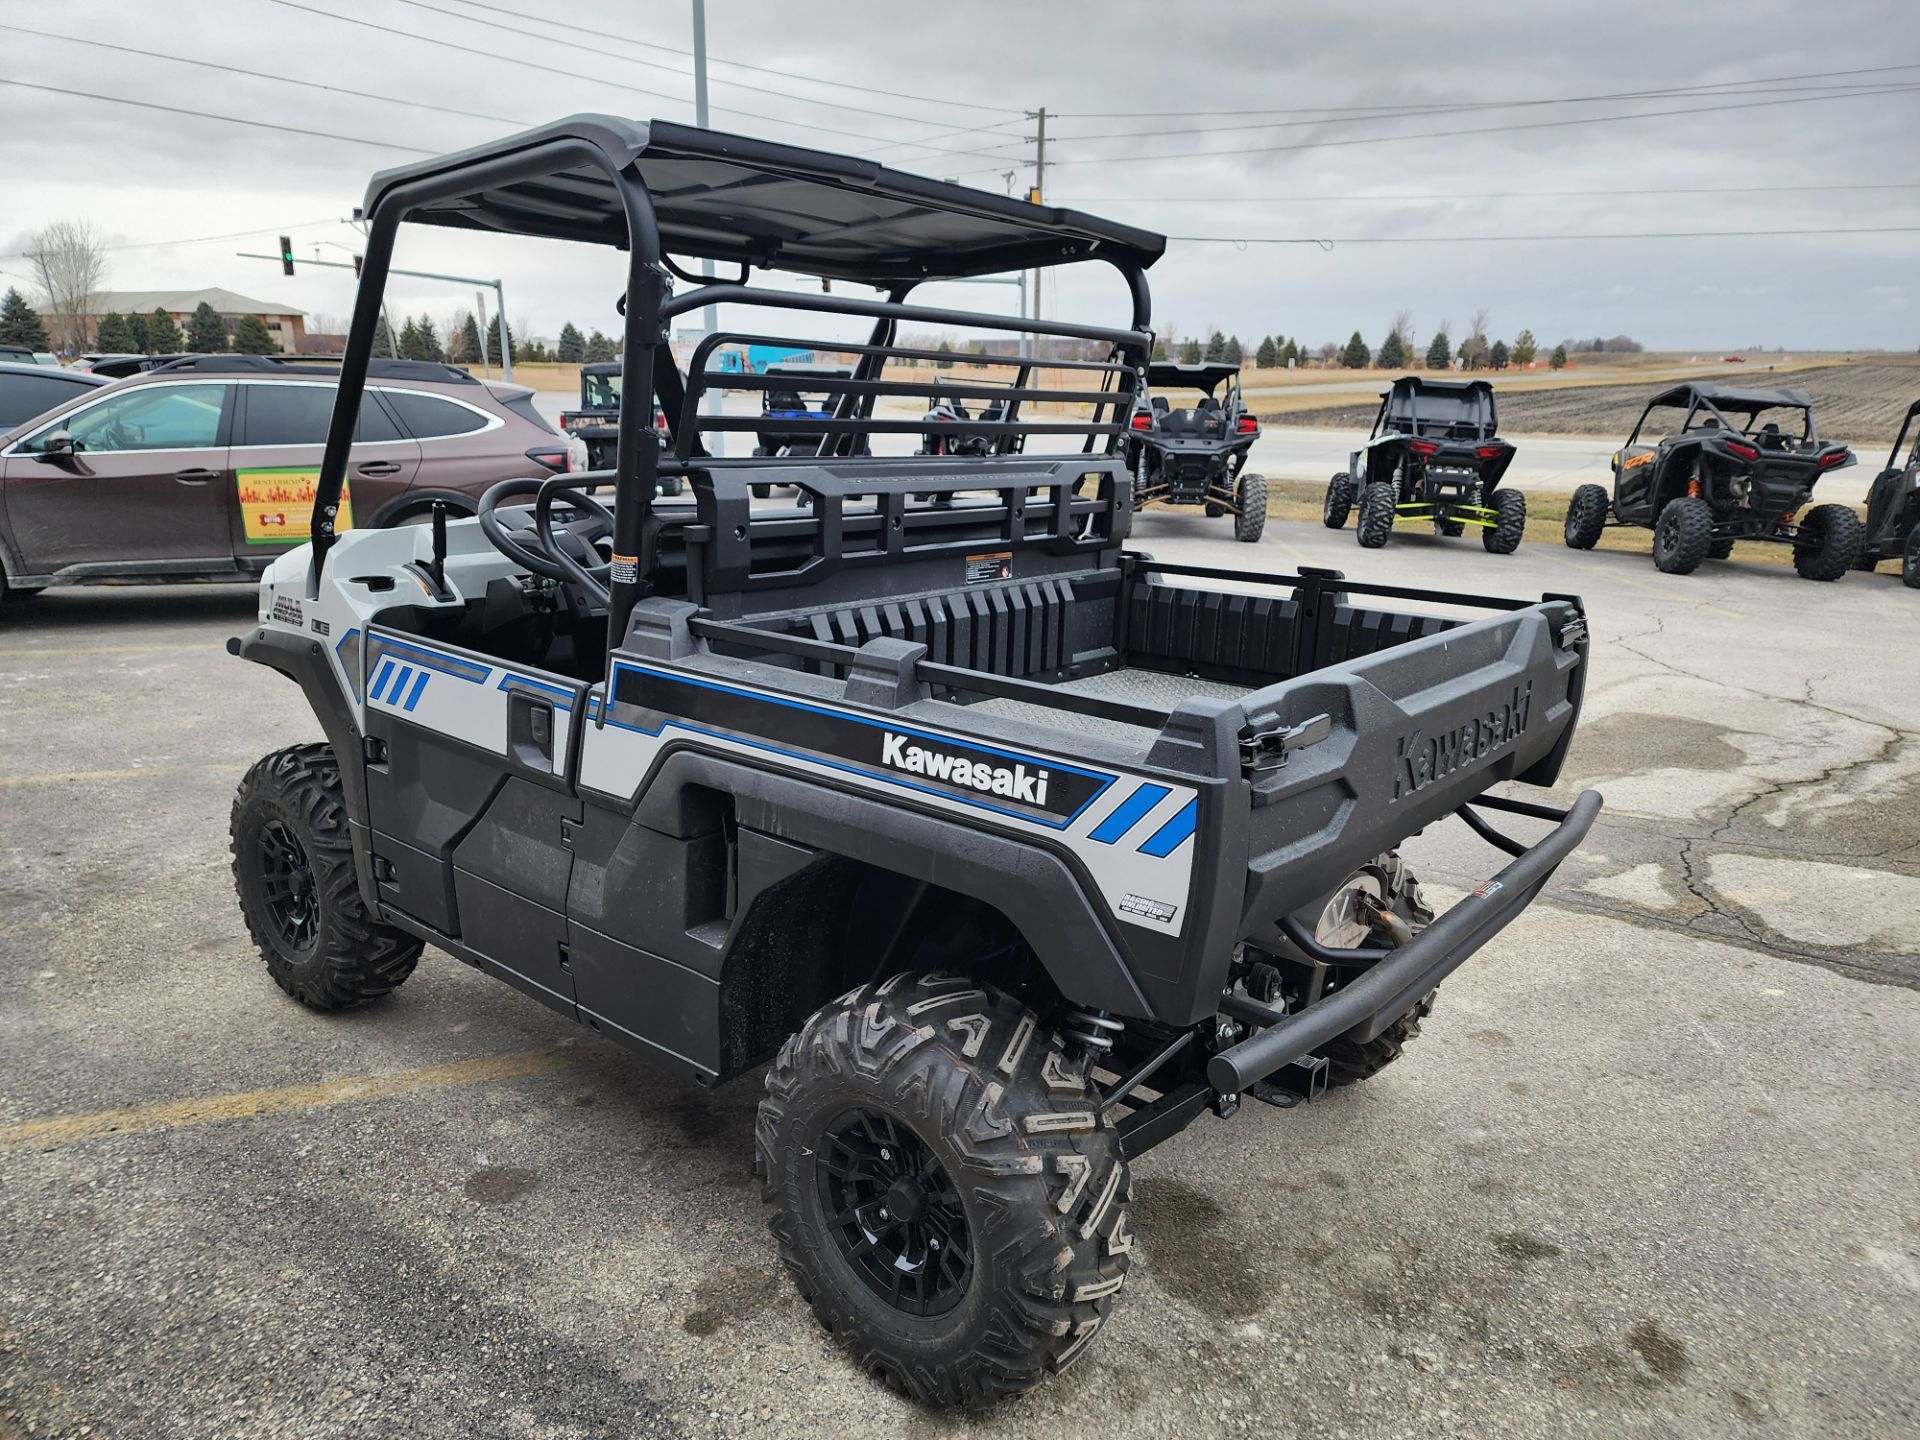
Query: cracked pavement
<point>1650,1170</point>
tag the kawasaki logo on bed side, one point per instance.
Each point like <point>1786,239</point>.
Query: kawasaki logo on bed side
<point>1047,791</point>
<point>1016,782</point>
<point>1426,758</point>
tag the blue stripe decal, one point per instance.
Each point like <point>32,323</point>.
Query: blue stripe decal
<point>432,660</point>
<point>562,696</point>
<point>1129,813</point>
<point>380,680</point>
<point>1175,833</point>
<point>399,685</point>
<point>413,697</point>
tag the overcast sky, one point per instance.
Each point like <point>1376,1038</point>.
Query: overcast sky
<point>143,175</point>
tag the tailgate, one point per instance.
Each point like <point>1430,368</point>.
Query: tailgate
<point>1415,731</point>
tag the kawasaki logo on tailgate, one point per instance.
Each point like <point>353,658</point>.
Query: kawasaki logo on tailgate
<point>1426,758</point>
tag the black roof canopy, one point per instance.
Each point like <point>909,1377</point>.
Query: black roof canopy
<point>1728,397</point>
<point>1420,385</point>
<point>1204,376</point>
<point>734,198</point>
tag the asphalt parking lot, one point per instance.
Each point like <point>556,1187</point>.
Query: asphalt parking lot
<point>1653,1169</point>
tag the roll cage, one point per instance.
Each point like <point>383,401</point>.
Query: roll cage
<point>1711,408</point>
<point>660,191</point>
<point>1454,410</point>
<point>1894,462</point>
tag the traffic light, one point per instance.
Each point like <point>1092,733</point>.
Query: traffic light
<point>357,261</point>
<point>1033,198</point>
<point>286,256</point>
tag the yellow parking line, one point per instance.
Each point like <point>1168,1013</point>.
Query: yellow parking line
<point>69,777</point>
<point>176,1114</point>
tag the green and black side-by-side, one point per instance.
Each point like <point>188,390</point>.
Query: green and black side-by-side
<point>1433,455</point>
<point>1001,851</point>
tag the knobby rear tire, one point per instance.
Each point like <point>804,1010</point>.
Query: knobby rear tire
<point>973,1077</point>
<point>1510,528</point>
<point>1339,502</point>
<point>1377,504</point>
<point>1586,517</point>
<point>1682,535</point>
<point>1838,537</point>
<point>1249,524</point>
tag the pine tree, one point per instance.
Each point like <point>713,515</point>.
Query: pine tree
<point>1524,349</point>
<point>1267,357</point>
<point>572,348</point>
<point>410,340</point>
<point>1356,356</point>
<point>1234,354</point>
<point>113,337</point>
<point>1558,360</point>
<point>1290,353</point>
<point>493,339</point>
<point>1189,352</point>
<point>1497,355</point>
<point>1216,347</point>
<point>1440,352</point>
<point>470,340</point>
<point>599,349</point>
<point>250,337</point>
<point>20,323</point>
<point>206,331</point>
<point>1159,347</point>
<point>163,336</point>
<point>1393,355</point>
<point>945,348</point>
<point>429,340</point>
<point>383,343</point>
<point>136,330</point>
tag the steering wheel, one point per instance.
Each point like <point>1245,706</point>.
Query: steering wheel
<point>549,554</point>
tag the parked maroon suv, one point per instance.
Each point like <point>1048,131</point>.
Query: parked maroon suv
<point>204,468</point>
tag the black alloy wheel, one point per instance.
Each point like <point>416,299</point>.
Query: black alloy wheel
<point>287,889</point>
<point>894,1212</point>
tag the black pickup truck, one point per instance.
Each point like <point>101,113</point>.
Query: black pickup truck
<point>1001,851</point>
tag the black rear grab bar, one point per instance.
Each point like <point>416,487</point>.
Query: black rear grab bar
<point>1392,986</point>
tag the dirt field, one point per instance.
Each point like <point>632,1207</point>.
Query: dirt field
<point>1860,402</point>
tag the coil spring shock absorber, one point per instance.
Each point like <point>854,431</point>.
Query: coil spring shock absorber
<point>1091,1033</point>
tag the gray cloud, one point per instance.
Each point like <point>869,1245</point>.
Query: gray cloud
<point>141,175</point>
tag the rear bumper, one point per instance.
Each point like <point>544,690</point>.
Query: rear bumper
<point>1393,986</point>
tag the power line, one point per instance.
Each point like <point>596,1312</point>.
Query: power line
<point>1677,92</point>
<point>758,69</point>
<point>285,229</point>
<point>1303,110</point>
<point>1328,242</point>
<point>209,115</point>
<point>650,64</point>
<point>148,54</point>
<point>1481,130</point>
<point>1480,195</point>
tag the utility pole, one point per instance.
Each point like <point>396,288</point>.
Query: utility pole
<point>1038,196</point>
<point>710,316</point>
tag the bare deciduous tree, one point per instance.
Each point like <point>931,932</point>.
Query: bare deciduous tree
<point>1403,327</point>
<point>69,263</point>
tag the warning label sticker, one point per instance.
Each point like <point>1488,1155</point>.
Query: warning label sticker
<point>995,566</point>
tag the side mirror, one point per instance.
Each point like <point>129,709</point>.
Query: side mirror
<point>58,450</point>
